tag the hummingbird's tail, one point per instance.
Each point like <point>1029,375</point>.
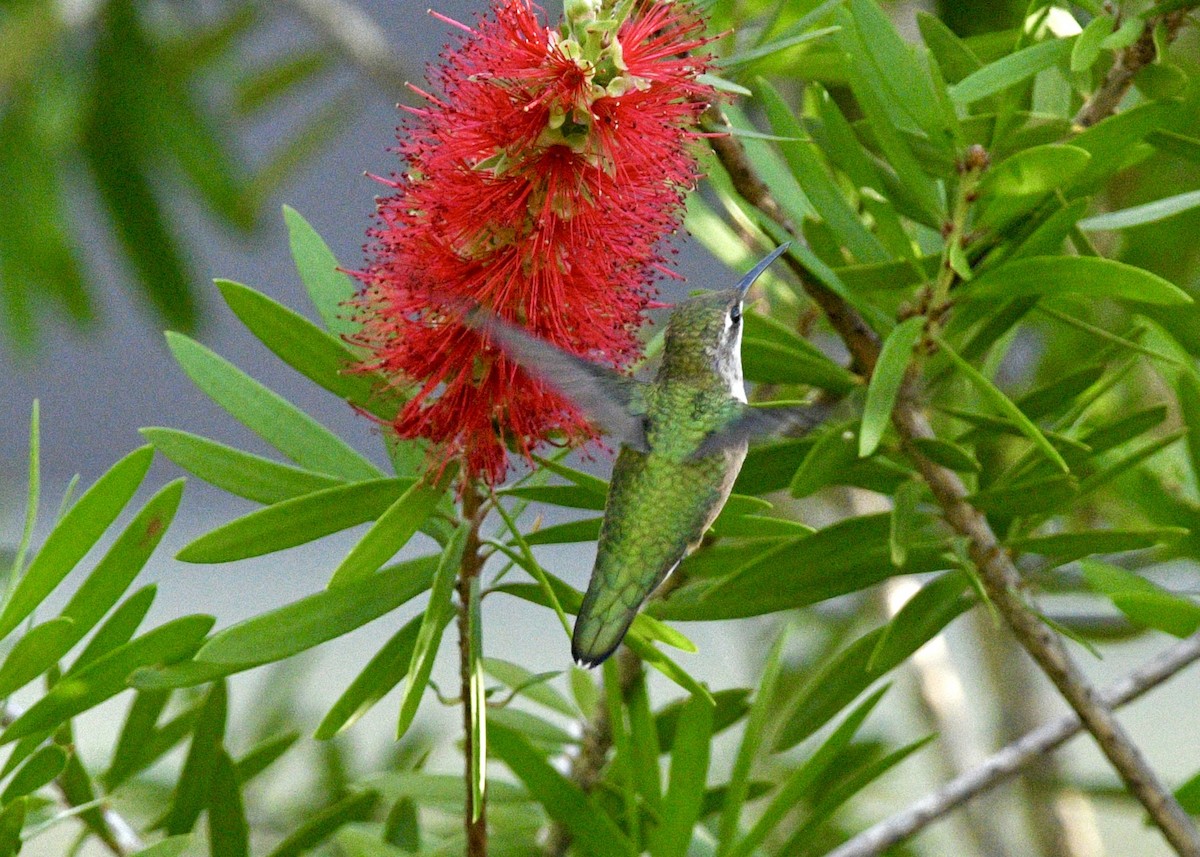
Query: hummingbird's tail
<point>606,614</point>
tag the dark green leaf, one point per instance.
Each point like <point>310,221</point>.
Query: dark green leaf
<point>74,535</point>
<point>1065,547</point>
<point>1188,389</point>
<point>685,789</point>
<point>1142,601</point>
<point>38,770</point>
<point>296,521</point>
<point>947,454</point>
<point>920,619</point>
<point>12,819</point>
<point>729,706</point>
<point>263,755</point>
<point>354,807</point>
<point>1050,276</point>
<point>128,756</point>
<point>834,451</point>
<point>953,55</point>
<point>194,790</point>
<point>228,831</point>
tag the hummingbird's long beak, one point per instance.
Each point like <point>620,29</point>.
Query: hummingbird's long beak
<point>748,280</point>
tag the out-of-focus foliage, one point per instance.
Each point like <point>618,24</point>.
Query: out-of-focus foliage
<point>1040,279</point>
<point>132,105</point>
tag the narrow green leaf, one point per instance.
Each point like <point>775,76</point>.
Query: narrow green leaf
<point>772,47</point>
<point>106,676</point>
<point>1010,70</point>
<point>12,820</point>
<point>1088,46</point>
<point>1111,141</point>
<point>35,653</point>
<point>954,57</point>
<point>391,531</point>
<point>529,685</point>
<point>1033,497</point>
<point>383,672</point>
<point>228,830</point>
<point>586,530</point>
<point>194,789</point>
<point>319,356</point>
<point>1078,275</point>
<point>267,83</point>
<point>1065,547</point>
<point>138,729</point>
<point>905,520</point>
<point>947,454</point>
<point>567,496</point>
<point>328,288</point>
<point>121,565</point>
<point>1143,602</point>
<point>75,534</point>
<point>241,473</point>
<point>1035,171</point>
<point>38,770</point>
<point>296,521</point>
<point>357,806</point>
<point>430,636</point>
<point>893,362</point>
<point>172,846</point>
<point>320,617</point>
<point>834,451</point>
<point>1180,145</point>
<point>269,415</point>
<point>264,754</point>
<point>1188,390</point>
<point>920,619</point>
<point>685,789</point>
<point>593,831</point>
<point>760,711</point>
<point>1139,215</point>
<point>118,629</point>
<point>1004,405</point>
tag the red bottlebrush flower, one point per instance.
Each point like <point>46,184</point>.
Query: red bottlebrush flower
<point>539,184</point>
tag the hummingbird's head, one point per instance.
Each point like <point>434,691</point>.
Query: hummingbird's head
<point>704,334</point>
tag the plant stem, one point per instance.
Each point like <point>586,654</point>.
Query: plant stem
<point>1014,757</point>
<point>474,818</point>
<point>999,575</point>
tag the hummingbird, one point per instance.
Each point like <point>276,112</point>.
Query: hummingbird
<point>683,438</point>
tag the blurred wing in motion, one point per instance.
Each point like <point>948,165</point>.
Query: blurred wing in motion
<point>753,423</point>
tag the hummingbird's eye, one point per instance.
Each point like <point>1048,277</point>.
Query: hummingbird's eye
<point>735,314</point>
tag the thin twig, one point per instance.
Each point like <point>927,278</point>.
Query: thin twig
<point>474,823</point>
<point>996,569</point>
<point>1014,757</point>
<point>357,37</point>
<point>118,835</point>
<point>1104,101</point>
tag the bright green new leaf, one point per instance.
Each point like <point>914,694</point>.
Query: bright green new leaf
<point>39,650</point>
<point>296,521</point>
<point>1035,171</point>
<point>328,288</point>
<point>893,361</point>
<point>320,617</point>
<point>74,535</point>
<point>269,415</point>
<point>1088,46</point>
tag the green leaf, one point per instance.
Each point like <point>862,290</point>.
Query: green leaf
<point>430,635</point>
<point>1004,405</point>
<point>1188,390</point>
<point>118,628</point>
<point>240,473</point>
<point>315,354</point>
<point>947,454</point>
<point>905,520</point>
<point>1051,276</point>
<point>228,830</point>
<point>1143,602</point>
<point>36,652</point>
<point>139,728</point>
<point>1032,497</point>
<point>392,530</point>
<point>121,565</point>
<point>1088,46</point>
<point>728,707</point>
<point>652,657</point>
<point>172,846</point>
<point>1035,171</point>
<point>529,685</point>
<point>328,288</point>
<point>893,362</point>
<point>320,617</point>
<point>12,819</point>
<point>1139,215</point>
<point>586,530</point>
<point>592,830</point>
<point>772,363</point>
<point>685,789</point>
<point>38,770</point>
<point>74,535</point>
<point>567,496</point>
<point>834,451</point>
<point>106,676</point>
<point>1179,145</point>
<point>270,81</point>
<point>193,791</point>
<point>383,672</point>
<point>772,47</point>
<point>920,619</point>
<point>296,521</point>
<point>1065,547</point>
<point>1010,70</point>
<point>1111,141</point>
<point>269,415</point>
<point>356,806</point>
<point>264,754</point>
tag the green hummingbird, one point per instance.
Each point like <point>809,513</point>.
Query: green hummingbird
<point>683,438</point>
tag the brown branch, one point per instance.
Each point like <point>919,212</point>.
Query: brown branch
<point>1104,101</point>
<point>1014,757</point>
<point>996,569</point>
<point>472,565</point>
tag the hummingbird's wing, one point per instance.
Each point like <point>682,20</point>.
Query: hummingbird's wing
<point>751,423</point>
<point>606,397</point>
